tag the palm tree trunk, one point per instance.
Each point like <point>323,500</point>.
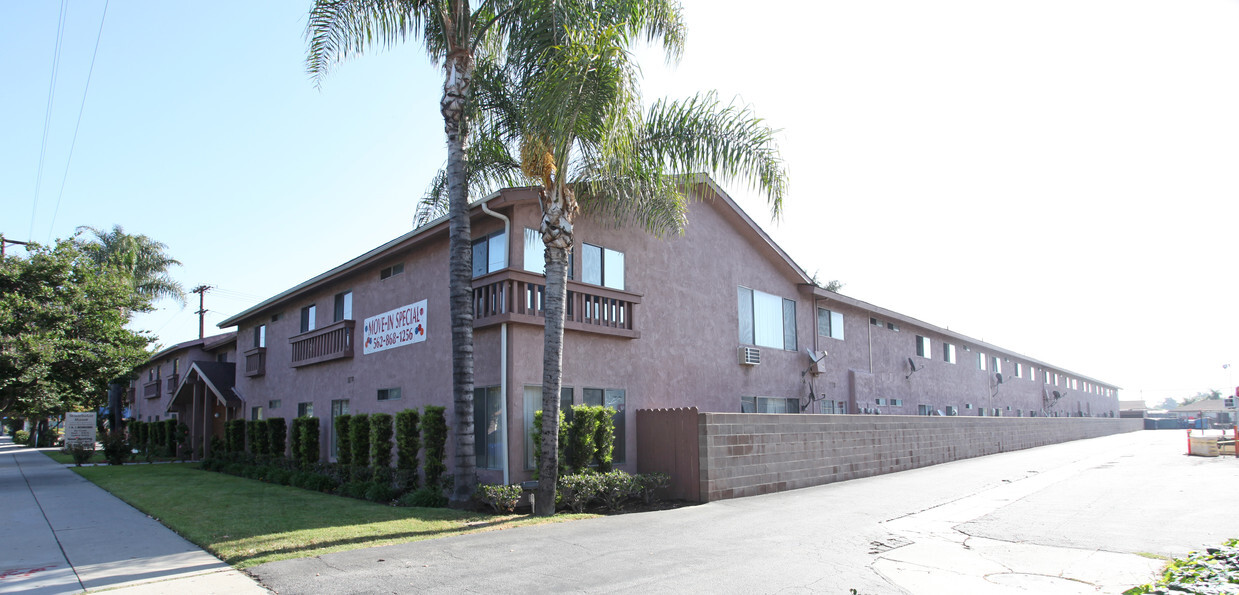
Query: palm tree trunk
<point>557,235</point>
<point>457,88</point>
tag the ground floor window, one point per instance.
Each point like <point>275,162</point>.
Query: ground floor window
<point>338,407</point>
<point>769,405</point>
<point>488,427</point>
<point>255,413</point>
<point>533,404</point>
<point>615,399</point>
<point>305,409</point>
<point>924,410</point>
<point>951,410</point>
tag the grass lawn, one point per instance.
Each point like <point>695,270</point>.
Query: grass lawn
<point>247,522</point>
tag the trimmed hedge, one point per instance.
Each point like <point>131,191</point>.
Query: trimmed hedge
<point>359,436</point>
<point>380,440</point>
<point>434,438</point>
<point>309,440</point>
<point>277,436</point>
<point>344,441</point>
<point>408,442</point>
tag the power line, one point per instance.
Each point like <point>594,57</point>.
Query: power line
<point>47,115</point>
<point>80,109</point>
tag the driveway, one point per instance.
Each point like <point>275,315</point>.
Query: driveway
<point>1080,517</point>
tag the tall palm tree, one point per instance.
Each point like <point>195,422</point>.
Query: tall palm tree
<point>454,34</point>
<point>570,121</point>
<point>143,260</point>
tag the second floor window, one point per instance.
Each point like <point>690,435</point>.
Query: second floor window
<point>767,320</point>
<point>260,335</point>
<point>602,266</point>
<point>308,314</point>
<point>829,323</point>
<point>922,346</point>
<point>490,253</point>
<point>344,307</point>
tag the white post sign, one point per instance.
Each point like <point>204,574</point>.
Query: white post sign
<point>80,428</point>
<point>394,328</point>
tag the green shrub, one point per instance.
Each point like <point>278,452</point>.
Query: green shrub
<point>576,491</point>
<point>581,432</point>
<point>650,483</point>
<point>180,436</point>
<point>234,435</point>
<point>562,441</point>
<point>380,440</point>
<point>309,440</point>
<point>277,436</point>
<point>260,443</point>
<point>353,489</point>
<point>616,487</point>
<point>21,437</point>
<point>280,476</point>
<point>116,448</point>
<point>172,437</point>
<point>344,441</point>
<point>408,442</point>
<point>434,437</point>
<point>138,434</point>
<point>359,430</point>
<point>81,453</point>
<point>296,438</point>
<point>604,438</point>
<point>500,498</point>
<point>380,491</point>
<point>425,497</point>
<point>156,436</point>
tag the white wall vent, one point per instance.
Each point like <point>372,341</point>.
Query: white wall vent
<point>750,356</point>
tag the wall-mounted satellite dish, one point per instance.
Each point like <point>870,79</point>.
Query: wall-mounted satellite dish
<point>998,375</point>
<point>912,368</point>
<point>815,358</point>
<point>1057,395</point>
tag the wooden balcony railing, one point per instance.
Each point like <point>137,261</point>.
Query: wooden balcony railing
<point>169,385</point>
<point>256,361</point>
<point>150,390</point>
<point>334,341</point>
<point>518,297</point>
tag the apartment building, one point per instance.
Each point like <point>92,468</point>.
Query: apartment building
<point>719,318</point>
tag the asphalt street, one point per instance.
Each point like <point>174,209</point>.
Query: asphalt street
<point>1089,516</point>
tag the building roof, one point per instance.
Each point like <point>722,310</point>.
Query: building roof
<point>508,195</point>
<point>219,377</point>
<point>1132,406</point>
<point>207,343</point>
<point>1202,405</point>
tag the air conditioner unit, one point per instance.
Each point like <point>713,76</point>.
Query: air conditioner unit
<point>750,356</point>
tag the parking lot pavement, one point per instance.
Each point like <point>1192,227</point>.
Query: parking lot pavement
<point>1081,517</point>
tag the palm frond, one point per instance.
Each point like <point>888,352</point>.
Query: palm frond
<point>339,29</point>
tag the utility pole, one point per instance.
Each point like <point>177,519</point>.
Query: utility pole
<point>4,242</point>
<point>201,291</point>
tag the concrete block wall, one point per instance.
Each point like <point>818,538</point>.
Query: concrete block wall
<point>748,454</point>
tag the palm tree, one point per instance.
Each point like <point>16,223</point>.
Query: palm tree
<point>571,122</point>
<point>455,35</point>
<point>143,260</point>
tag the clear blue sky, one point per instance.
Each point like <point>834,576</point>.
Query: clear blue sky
<point>1053,176</point>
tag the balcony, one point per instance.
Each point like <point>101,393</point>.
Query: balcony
<point>169,385</point>
<point>150,390</point>
<point>256,361</point>
<point>517,296</point>
<point>334,341</point>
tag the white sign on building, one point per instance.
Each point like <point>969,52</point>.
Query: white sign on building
<point>80,428</point>
<point>394,328</point>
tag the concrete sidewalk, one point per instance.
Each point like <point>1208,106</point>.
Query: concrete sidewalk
<point>63,534</point>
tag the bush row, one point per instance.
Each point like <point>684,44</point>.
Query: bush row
<point>611,491</point>
<point>364,453</point>
<point>164,438</point>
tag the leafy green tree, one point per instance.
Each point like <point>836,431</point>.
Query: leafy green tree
<point>1168,404</point>
<point>564,113</point>
<point>62,331</point>
<point>144,261</point>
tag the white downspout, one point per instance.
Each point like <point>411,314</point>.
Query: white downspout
<point>503,349</point>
